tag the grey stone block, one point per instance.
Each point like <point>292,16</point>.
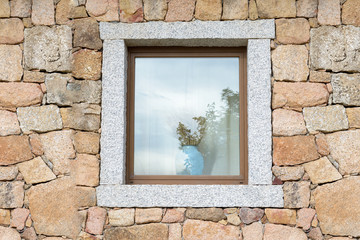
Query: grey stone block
<point>189,196</point>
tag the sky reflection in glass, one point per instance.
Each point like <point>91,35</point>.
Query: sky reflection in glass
<point>173,90</point>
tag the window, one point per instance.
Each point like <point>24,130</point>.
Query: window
<point>186,116</point>
<point>118,38</point>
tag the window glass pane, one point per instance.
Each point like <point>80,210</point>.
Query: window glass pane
<point>186,116</point>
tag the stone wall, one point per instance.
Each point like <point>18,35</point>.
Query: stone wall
<point>50,105</point>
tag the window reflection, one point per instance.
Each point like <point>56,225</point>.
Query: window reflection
<point>186,109</point>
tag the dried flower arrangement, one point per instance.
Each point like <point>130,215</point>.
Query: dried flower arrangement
<point>185,136</point>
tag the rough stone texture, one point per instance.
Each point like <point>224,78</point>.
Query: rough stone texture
<point>95,220</point>
<point>180,10</point>
<point>53,210</point>
<point>208,10</point>
<point>8,233</point>
<point>322,171</point>
<point>81,116</point>
<point>315,221</point>
<point>292,31</point>
<point>103,10</point>
<point>20,94</point>
<point>299,95</point>
<point>326,119</point>
<point>131,11</point>
<point>313,23</point>
<point>18,218</point>
<point>148,215</point>
<point>306,8</point>
<point>10,61</point>
<point>249,215</point>
<point>86,142</point>
<point>234,9</point>
<point>61,238</point>
<point>175,231</point>
<point>48,49</point>
<point>43,12</point>
<point>196,229</point>
<point>329,12</point>
<point>11,194</point>
<point>14,149</point>
<point>276,8</point>
<point>281,216</point>
<point>122,217</point>
<point>27,22</point>
<point>344,148</point>
<point>86,33</point>
<point>329,88</point>
<point>63,90</point>
<point>335,48</point>
<point>290,62</point>
<point>346,89</point>
<point>97,8</point>
<point>39,119</point>
<point>304,218</point>
<point>194,33</point>
<point>296,194</point>
<point>173,195</point>
<point>340,238</point>
<point>85,169</point>
<point>253,231</point>
<point>87,64</point>
<point>4,8</point>
<point>207,214</point>
<point>321,77</point>
<point>174,215</point>
<point>350,12</point>
<point>29,234</point>
<point>33,76</point>
<point>8,173</point>
<point>20,8</point>
<point>9,123</point>
<point>288,173</point>
<point>145,232</point>
<point>4,217</point>
<point>353,115</point>
<point>253,13</point>
<point>294,150</point>
<point>36,145</point>
<point>36,171</point>
<point>86,196</point>
<point>11,31</point>
<point>288,123</point>
<point>68,9</point>
<point>28,223</point>
<point>315,234</point>
<point>345,221</point>
<point>58,149</point>
<point>155,9</point>
<point>233,219</point>
<point>322,145</point>
<point>280,232</point>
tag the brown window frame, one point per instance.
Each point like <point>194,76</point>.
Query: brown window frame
<point>239,52</point>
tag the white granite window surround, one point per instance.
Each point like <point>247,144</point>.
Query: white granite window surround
<point>256,35</point>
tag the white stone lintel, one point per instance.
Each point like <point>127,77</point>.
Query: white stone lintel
<point>168,33</point>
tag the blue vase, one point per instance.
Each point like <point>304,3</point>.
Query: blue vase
<point>190,161</point>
